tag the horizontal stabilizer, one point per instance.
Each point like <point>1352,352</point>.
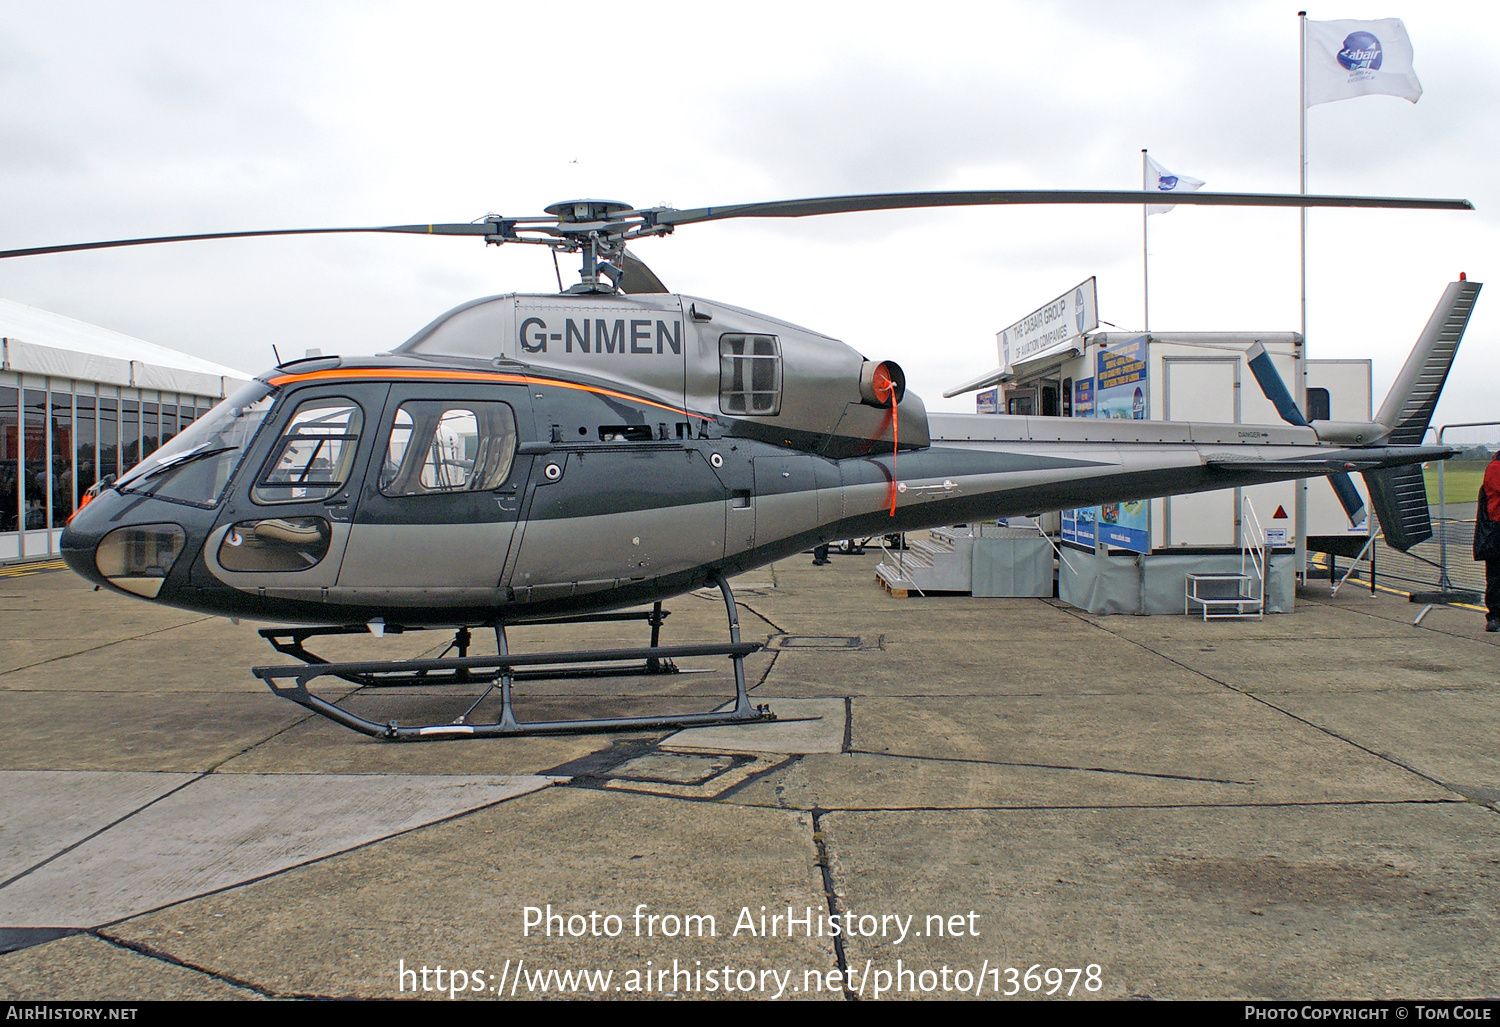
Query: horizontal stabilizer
<point>1290,468</point>
<point>1400,498</point>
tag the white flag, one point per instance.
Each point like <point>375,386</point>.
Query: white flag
<point>1354,58</point>
<point>1162,180</point>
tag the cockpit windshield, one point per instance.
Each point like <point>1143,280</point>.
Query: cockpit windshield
<point>195,467</point>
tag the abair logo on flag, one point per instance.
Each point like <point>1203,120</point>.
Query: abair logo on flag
<point>1361,52</point>
<point>1162,180</point>
<point>1355,58</point>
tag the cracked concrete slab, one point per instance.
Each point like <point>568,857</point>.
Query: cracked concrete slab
<point>1449,735</point>
<point>88,968</point>
<point>43,812</point>
<point>873,782</point>
<point>174,655</point>
<point>136,730</point>
<point>1274,666</point>
<point>222,830</point>
<point>1274,902</point>
<point>456,894</point>
<point>1220,737</point>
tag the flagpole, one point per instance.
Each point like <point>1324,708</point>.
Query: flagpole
<point>1299,355</point>
<point>1145,252</point>
<point>1302,152</point>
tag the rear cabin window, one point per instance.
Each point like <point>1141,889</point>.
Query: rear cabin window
<point>750,375</point>
<point>316,452</point>
<point>444,446</point>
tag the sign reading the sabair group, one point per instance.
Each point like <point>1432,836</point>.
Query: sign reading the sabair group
<point>1050,328</point>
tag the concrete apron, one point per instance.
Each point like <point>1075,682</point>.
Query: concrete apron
<point>86,848</point>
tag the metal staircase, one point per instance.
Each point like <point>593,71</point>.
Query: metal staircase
<point>1242,595</point>
<point>940,563</point>
<point>944,561</point>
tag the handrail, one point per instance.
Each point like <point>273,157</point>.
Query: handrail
<point>1253,544</point>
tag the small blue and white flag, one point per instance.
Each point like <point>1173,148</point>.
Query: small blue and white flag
<point>1355,58</point>
<point>1160,179</point>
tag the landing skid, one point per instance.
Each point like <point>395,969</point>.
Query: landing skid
<point>502,671</point>
<point>291,642</point>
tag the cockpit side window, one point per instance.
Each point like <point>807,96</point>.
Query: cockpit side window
<point>750,375</point>
<point>449,446</point>
<point>315,454</point>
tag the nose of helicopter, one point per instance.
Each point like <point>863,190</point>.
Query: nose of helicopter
<point>81,536</point>
<point>103,544</point>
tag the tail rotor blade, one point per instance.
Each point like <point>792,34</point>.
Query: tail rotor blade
<point>1276,391</point>
<point>1348,495</point>
<point>1271,384</point>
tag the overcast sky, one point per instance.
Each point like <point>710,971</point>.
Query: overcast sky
<point>121,119</point>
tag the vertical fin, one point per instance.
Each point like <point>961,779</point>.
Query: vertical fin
<point>1399,494</point>
<point>1407,410</point>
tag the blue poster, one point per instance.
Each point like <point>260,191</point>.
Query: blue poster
<point>1078,525</point>
<point>1083,397</point>
<point>1121,387</point>
<point>1122,390</point>
<point>1126,525</point>
<point>987,402</point>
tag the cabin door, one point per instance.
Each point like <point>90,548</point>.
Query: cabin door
<point>438,512</point>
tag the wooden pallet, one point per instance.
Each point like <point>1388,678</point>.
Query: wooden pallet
<point>898,593</point>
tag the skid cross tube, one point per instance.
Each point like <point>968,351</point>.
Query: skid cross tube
<point>502,670</point>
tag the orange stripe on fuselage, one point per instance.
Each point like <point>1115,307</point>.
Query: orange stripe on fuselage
<point>420,374</point>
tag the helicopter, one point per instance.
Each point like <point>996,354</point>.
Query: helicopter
<point>532,459</point>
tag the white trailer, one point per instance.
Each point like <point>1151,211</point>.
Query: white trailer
<point>1204,377</point>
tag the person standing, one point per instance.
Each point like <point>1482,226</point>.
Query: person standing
<point>1490,497</point>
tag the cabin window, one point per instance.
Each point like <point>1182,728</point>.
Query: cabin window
<point>275,544</point>
<point>439,446</point>
<point>314,458</point>
<point>750,375</point>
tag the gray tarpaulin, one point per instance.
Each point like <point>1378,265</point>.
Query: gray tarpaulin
<point>1011,567</point>
<point>1155,584</point>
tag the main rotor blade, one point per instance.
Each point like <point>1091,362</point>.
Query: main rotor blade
<point>484,228</point>
<point>903,201</point>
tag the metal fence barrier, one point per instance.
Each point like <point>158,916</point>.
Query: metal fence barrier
<point>1443,564</point>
